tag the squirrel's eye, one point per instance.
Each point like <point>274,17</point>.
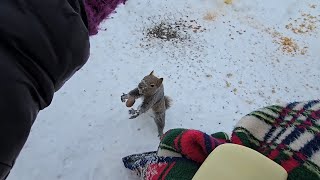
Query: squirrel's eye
<point>152,85</point>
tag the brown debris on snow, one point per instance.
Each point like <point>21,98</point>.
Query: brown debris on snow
<point>209,16</point>
<point>305,24</point>
<point>228,84</point>
<point>288,45</point>
<point>228,1</point>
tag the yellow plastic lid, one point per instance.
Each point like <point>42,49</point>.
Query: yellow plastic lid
<point>236,162</point>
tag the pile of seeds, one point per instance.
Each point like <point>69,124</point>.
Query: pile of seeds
<point>164,31</point>
<point>173,30</point>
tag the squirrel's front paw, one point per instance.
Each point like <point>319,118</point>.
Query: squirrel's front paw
<point>124,97</point>
<point>160,135</point>
<point>134,113</point>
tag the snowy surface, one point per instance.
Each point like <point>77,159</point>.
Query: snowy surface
<point>217,75</point>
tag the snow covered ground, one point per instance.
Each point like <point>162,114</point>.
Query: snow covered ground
<point>231,60</point>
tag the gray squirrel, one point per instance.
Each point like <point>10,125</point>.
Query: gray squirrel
<point>152,91</point>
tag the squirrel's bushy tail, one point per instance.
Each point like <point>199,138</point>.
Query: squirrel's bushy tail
<point>168,101</point>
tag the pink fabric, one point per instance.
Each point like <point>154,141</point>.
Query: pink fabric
<point>98,10</point>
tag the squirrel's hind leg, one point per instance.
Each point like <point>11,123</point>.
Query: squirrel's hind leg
<point>159,119</point>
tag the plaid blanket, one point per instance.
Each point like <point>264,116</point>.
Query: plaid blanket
<point>287,134</point>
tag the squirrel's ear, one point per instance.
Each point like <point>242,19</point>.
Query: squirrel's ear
<point>160,81</point>
<point>151,73</point>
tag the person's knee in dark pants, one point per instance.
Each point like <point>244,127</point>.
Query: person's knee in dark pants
<point>18,109</point>
<point>4,171</point>
<point>42,45</point>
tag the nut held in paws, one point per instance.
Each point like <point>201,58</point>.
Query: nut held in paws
<point>130,102</point>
